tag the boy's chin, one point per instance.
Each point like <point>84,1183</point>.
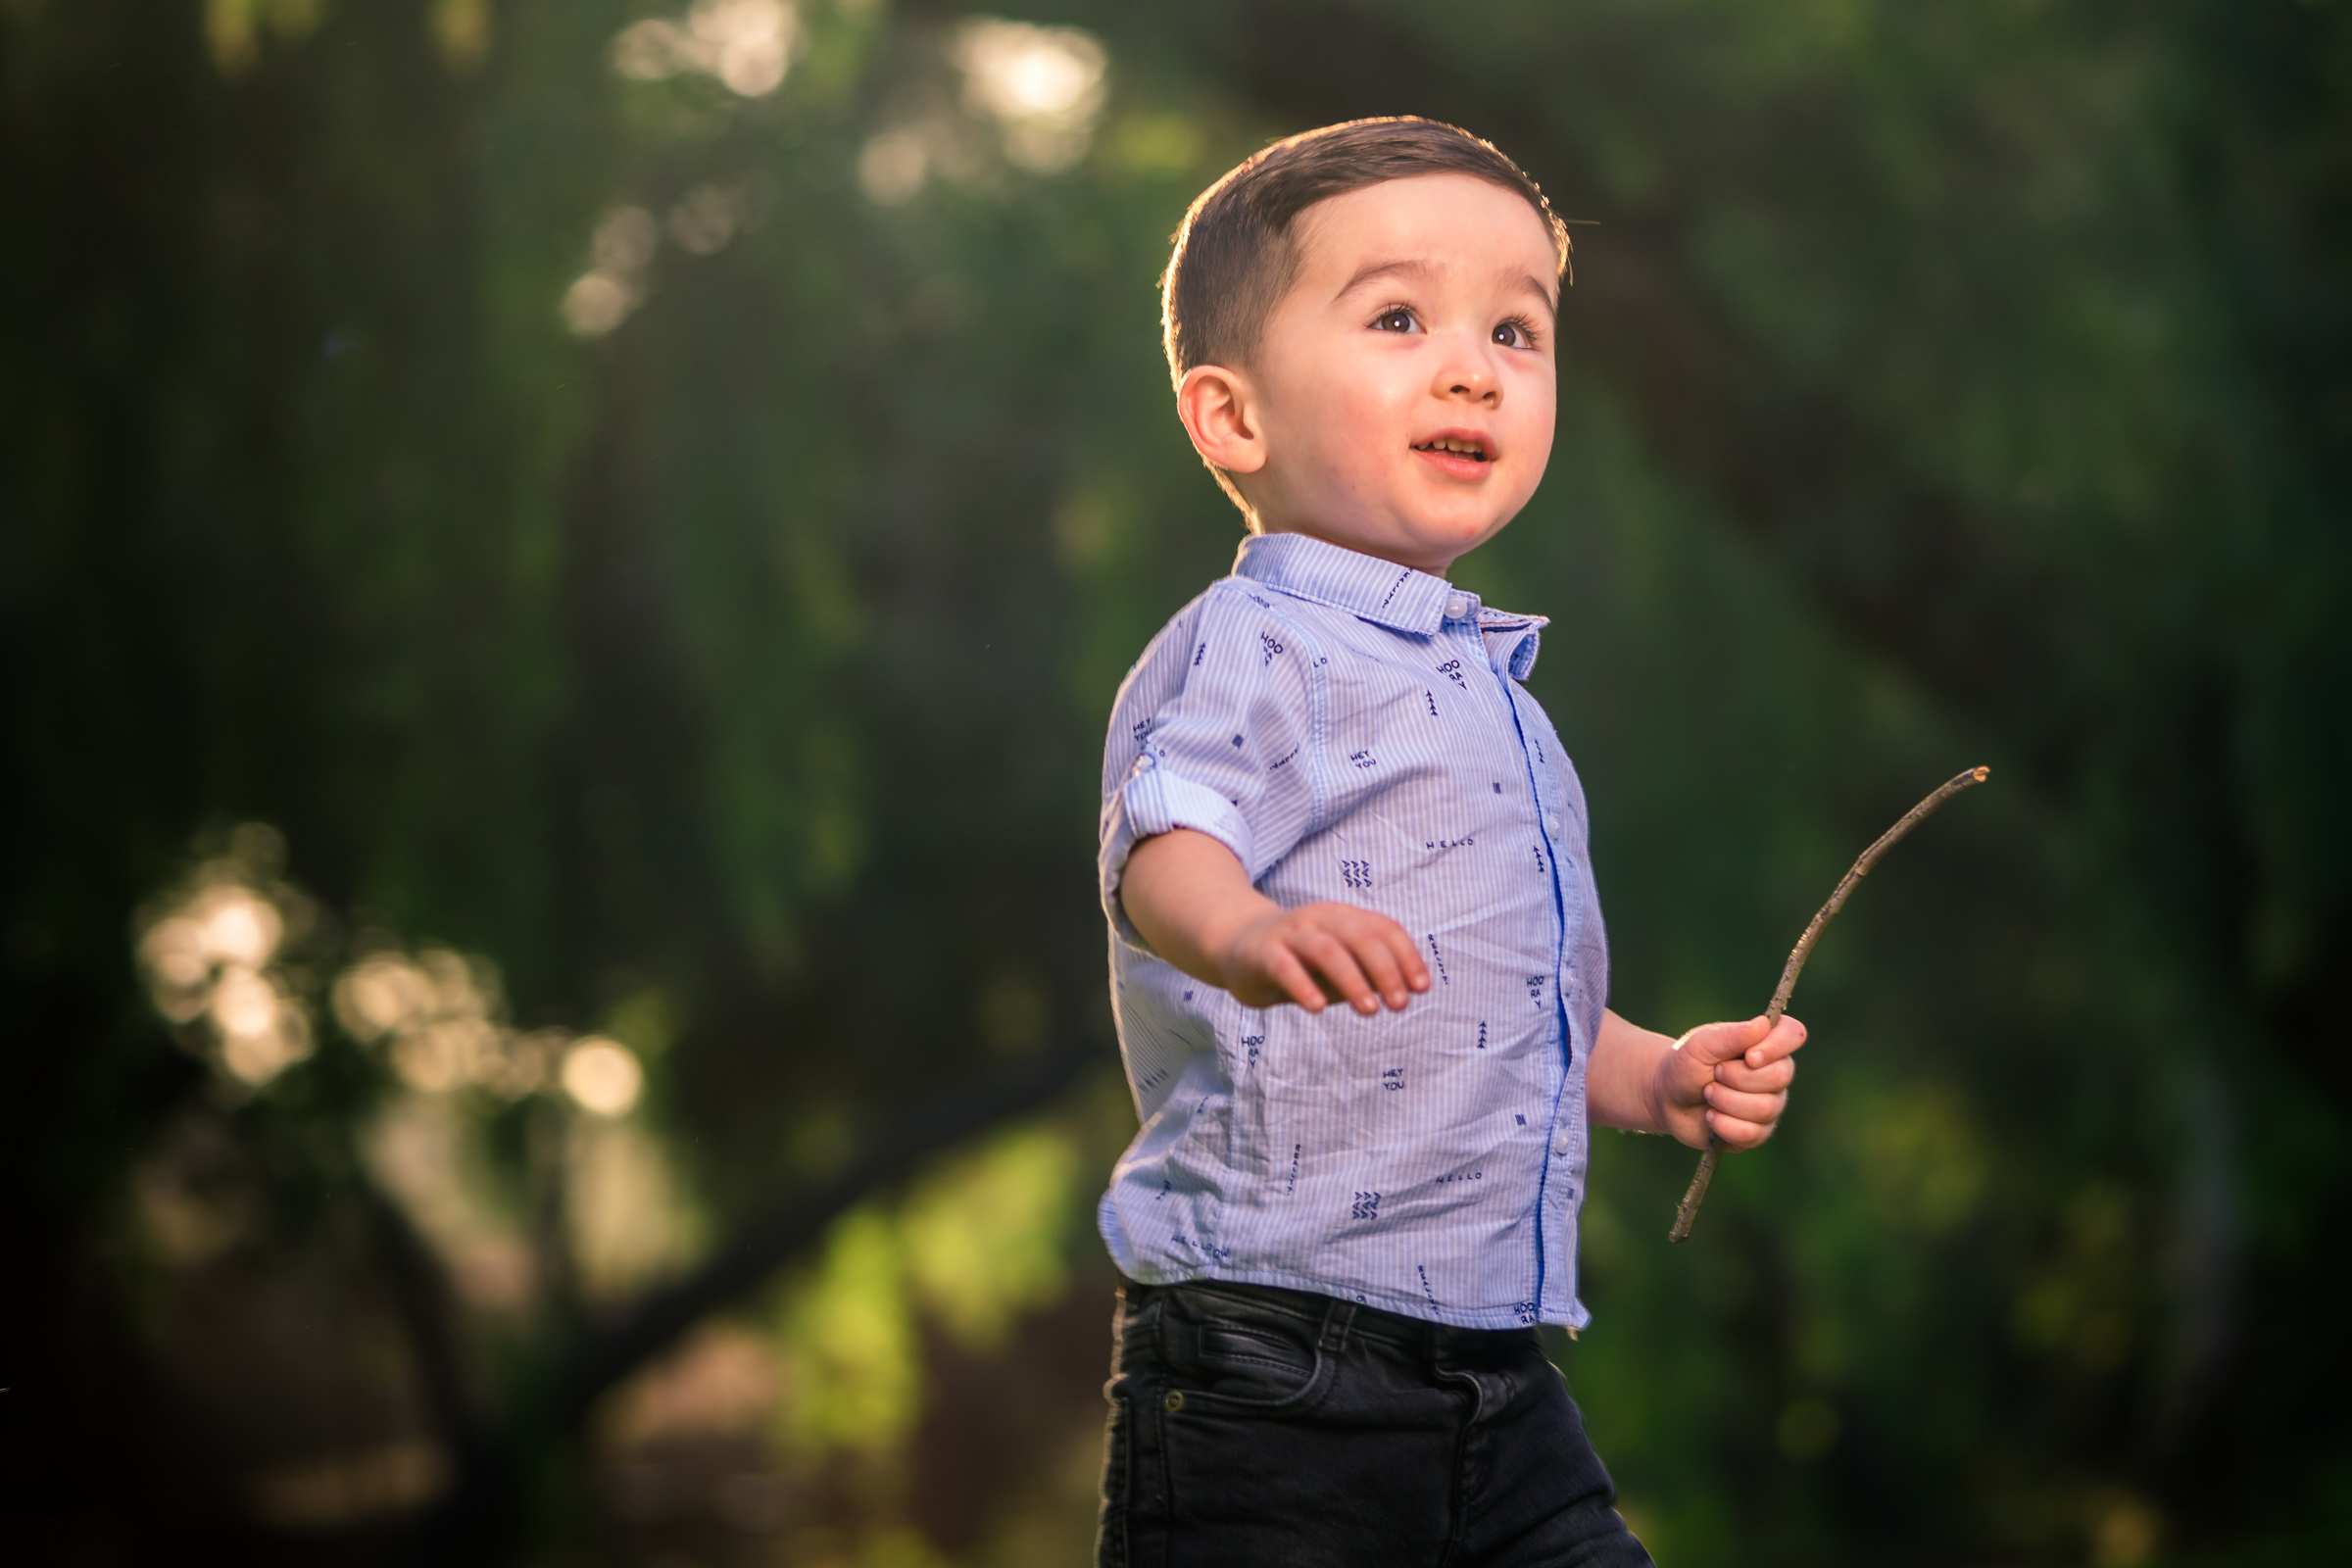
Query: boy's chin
<point>1448,536</point>
<point>1429,540</point>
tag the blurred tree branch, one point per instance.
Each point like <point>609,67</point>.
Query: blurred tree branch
<point>781,1229</point>
<point>477,1519</point>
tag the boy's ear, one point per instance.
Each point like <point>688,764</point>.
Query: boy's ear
<point>1219,409</point>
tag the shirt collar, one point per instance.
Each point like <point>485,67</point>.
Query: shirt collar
<point>1511,641</point>
<point>1380,591</point>
<point>1385,594</point>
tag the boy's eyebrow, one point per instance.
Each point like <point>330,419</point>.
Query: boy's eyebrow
<point>1414,267</point>
<point>1528,282</point>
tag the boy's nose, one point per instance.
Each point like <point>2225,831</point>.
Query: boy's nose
<point>1465,376</point>
<point>1478,388</point>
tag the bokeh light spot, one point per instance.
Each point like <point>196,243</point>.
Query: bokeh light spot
<point>1043,85</point>
<point>596,304</point>
<point>211,959</point>
<point>603,1077</point>
<point>747,45</point>
<point>460,30</point>
<point>382,996</point>
<point>894,165</point>
<point>706,219</point>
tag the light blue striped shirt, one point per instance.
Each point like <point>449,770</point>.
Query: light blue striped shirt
<point>1354,730</point>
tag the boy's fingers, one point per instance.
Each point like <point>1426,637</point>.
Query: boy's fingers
<point>1733,1133</point>
<point>1289,973</point>
<point>1785,1037</point>
<point>1772,1078</point>
<point>1722,1041</point>
<point>1329,956</point>
<point>1408,956</point>
<point>1760,1108</point>
<point>1379,964</point>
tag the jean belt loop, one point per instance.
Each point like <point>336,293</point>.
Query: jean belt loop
<point>1338,1319</point>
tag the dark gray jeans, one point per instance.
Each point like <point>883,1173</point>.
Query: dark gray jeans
<point>1251,1426</point>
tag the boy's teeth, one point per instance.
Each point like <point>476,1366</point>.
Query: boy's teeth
<point>1466,447</point>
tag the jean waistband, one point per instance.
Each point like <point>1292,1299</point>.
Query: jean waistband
<point>1337,1318</point>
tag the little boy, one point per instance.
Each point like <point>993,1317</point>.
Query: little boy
<point>1324,784</point>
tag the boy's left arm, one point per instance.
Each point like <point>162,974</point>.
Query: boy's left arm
<point>1728,1079</point>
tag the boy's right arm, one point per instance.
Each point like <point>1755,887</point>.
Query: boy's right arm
<point>1190,897</point>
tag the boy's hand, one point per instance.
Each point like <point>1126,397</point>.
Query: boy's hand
<point>1321,952</point>
<point>1728,1079</point>
<point>1191,900</point>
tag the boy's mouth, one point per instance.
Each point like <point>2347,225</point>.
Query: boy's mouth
<point>1459,454</point>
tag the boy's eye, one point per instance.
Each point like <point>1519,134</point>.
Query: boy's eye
<point>1397,319</point>
<point>1514,335</point>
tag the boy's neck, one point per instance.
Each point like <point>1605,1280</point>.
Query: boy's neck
<point>1438,568</point>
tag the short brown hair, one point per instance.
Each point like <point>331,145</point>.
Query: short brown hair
<point>1235,258</point>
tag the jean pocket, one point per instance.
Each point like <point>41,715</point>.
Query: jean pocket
<point>1236,1345</point>
<point>1239,1364</point>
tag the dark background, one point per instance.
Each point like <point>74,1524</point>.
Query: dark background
<point>628,546</point>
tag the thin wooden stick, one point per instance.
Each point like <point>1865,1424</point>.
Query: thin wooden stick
<point>1687,1210</point>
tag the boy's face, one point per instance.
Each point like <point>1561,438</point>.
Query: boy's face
<point>1400,401</point>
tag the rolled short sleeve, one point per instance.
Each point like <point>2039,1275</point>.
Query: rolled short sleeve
<point>1211,733</point>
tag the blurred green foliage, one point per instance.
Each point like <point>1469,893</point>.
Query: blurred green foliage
<point>674,531</point>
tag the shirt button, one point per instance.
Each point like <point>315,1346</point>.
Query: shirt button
<point>1456,607</point>
<point>1563,1148</point>
<point>1551,823</point>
